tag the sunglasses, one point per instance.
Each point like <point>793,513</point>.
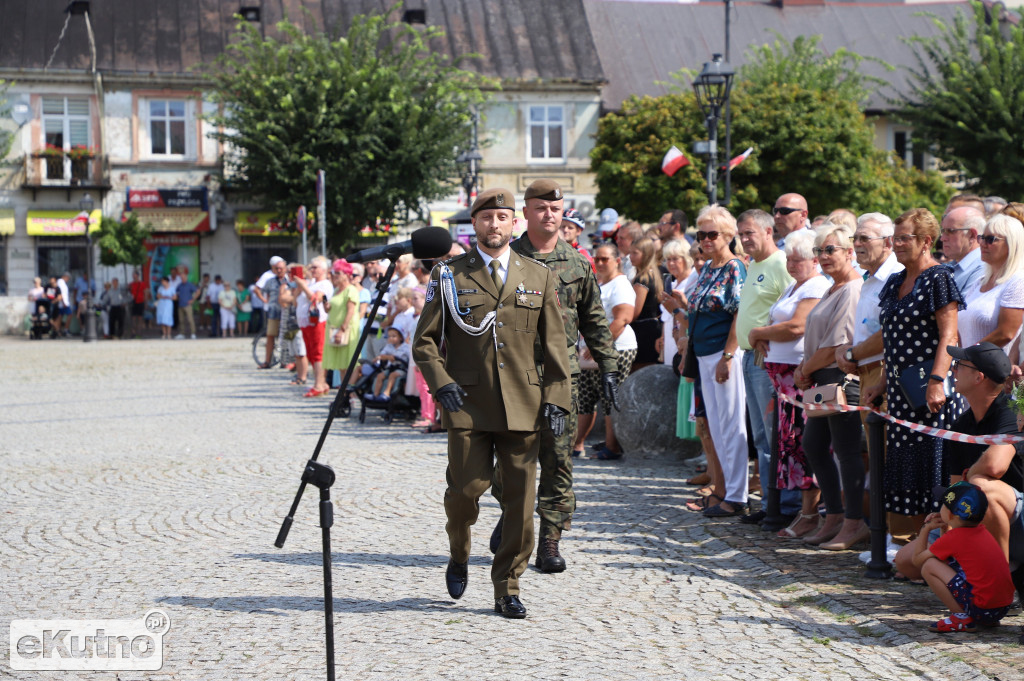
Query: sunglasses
<point>710,236</point>
<point>950,231</point>
<point>863,238</point>
<point>989,239</point>
<point>782,210</point>
<point>827,250</point>
<point>957,363</point>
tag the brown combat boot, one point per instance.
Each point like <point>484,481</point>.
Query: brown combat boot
<point>548,558</point>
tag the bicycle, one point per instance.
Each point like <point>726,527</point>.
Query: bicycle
<point>259,348</point>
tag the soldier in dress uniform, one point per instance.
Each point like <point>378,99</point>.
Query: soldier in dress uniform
<point>582,313</point>
<point>495,310</point>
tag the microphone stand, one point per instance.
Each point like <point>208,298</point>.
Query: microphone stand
<point>322,476</point>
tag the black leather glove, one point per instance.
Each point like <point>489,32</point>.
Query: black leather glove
<point>555,416</point>
<point>610,385</point>
<point>450,396</point>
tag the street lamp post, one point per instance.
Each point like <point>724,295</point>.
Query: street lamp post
<point>712,88</point>
<point>471,160</point>
<point>89,334</point>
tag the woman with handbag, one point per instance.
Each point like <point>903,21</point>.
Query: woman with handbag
<point>919,316</point>
<point>648,287</point>
<point>617,298</point>
<point>342,320</point>
<point>676,256</point>
<point>829,325</point>
<point>712,308</point>
<point>782,344</point>
<point>312,318</point>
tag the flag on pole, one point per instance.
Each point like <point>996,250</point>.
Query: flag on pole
<point>462,197</point>
<point>673,161</point>
<point>739,159</point>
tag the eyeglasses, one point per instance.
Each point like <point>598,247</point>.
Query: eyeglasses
<point>710,236</point>
<point>989,239</point>
<point>827,250</point>
<point>863,238</point>
<point>950,231</point>
<point>957,363</point>
<point>783,210</point>
<point>903,238</point>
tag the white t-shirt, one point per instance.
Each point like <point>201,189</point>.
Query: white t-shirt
<point>213,291</point>
<point>982,314</point>
<point>792,352</point>
<point>325,287</point>
<point>667,323</point>
<point>65,295</point>
<point>619,291</point>
<point>406,321</point>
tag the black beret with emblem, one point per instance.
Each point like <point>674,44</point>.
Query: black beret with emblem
<point>546,190</point>
<point>494,198</point>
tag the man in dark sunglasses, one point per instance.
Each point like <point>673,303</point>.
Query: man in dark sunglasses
<point>960,229</point>
<point>790,213</point>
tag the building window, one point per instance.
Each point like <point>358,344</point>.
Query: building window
<point>66,124</point>
<point>547,134</point>
<point>902,146</point>
<point>167,127</point>
<point>54,257</point>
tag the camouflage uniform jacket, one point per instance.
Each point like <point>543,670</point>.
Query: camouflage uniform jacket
<point>580,298</point>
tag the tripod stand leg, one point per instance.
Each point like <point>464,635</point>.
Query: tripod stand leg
<point>326,520</point>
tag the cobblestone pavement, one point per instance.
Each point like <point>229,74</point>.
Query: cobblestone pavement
<point>154,474</point>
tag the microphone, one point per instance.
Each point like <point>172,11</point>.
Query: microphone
<point>426,243</point>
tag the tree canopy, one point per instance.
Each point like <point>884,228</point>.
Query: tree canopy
<point>122,242</point>
<point>966,100</point>
<point>798,109</point>
<point>377,110</point>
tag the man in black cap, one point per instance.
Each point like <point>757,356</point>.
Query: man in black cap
<point>998,470</point>
<point>582,313</point>
<point>497,313</point>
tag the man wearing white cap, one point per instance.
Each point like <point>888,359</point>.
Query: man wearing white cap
<point>268,289</point>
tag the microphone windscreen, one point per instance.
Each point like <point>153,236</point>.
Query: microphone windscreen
<point>431,242</point>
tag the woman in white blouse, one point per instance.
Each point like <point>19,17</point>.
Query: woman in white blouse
<point>782,344</point>
<point>618,299</point>
<point>995,303</point>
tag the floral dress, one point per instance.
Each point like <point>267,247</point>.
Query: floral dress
<point>910,334</point>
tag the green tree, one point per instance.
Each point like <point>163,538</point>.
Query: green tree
<point>6,137</point>
<point>966,99</point>
<point>809,139</point>
<point>379,111</point>
<point>122,242</point>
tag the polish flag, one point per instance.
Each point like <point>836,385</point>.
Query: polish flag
<point>739,159</point>
<point>673,161</point>
<point>462,198</point>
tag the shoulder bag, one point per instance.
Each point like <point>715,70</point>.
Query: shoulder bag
<point>914,384</point>
<point>690,368</point>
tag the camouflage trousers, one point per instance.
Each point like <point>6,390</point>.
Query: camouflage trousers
<point>555,498</point>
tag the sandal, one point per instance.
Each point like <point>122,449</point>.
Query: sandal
<point>296,381</point>
<point>701,503</point>
<point>717,511</point>
<point>958,622</point>
<point>605,454</point>
<point>422,423</point>
<point>789,533</point>
<point>577,453</point>
<point>704,491</point>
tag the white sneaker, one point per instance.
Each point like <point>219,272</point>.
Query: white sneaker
<point>180,336</point>
<point>193,336</point>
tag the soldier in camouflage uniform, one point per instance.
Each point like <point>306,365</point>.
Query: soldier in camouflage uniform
<point>580,298</point>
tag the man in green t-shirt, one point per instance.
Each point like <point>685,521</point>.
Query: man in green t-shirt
<point>767,279</point>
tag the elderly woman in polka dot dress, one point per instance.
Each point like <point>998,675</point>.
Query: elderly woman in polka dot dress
<point>919,309</point>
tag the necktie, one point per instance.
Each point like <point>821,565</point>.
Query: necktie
<point>496,275</point>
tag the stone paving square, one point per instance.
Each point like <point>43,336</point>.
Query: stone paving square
<point>143,475</point>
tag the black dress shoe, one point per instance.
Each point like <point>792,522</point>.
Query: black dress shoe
<point>510,607</point>
<point>496,535</point>
<point>753,518</point>
<point>456,577</point>
<point>548,558</point>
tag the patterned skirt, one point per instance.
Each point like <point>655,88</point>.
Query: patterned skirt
<point>793,471</point>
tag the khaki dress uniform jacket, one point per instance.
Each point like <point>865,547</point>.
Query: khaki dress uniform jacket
<point>506,390</point>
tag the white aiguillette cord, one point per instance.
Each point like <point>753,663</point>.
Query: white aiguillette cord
<point>450,299</point>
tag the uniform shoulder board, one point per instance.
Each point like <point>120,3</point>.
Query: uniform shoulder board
<point>535,262</point>
<point>454,258</point>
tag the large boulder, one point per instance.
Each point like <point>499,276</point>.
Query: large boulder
<point>647,420</point>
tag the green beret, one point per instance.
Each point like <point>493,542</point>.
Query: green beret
<point>547,190</point>
<point>494,198</point>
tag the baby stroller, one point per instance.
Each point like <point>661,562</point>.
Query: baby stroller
<point>399,403</point>
<point>40,320</point>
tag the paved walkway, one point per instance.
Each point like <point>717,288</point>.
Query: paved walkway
<point>155,474</point>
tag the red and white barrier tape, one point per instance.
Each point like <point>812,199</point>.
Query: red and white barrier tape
<point>917,427</point>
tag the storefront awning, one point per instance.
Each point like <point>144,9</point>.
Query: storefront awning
<point>6,221</point>
<point>62,222</point>
<point>172,219</point>
<point>261,223</point>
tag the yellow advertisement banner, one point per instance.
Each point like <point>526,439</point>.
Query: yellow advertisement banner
<point>261,223</point>
<point>6,221</point>
<point>173,219</point>
<point>62,222</point>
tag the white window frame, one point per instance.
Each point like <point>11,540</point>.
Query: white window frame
<point>145,121</point>
<point>545,158</point>
<point>927,160</point>
<point>65,119</point>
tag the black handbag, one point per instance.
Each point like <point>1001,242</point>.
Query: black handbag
<point>914,384</point>
<point>690,369</point>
